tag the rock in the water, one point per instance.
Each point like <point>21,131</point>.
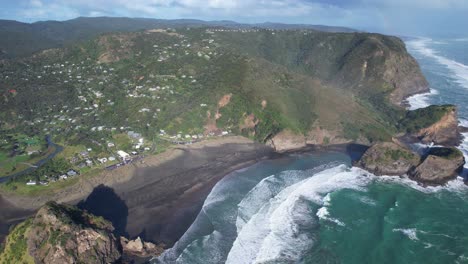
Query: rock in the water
<point>388,158</point>
<point>287,140</point>
<point>140,248</point>
<point>439,166</point>
<point>436,124</point>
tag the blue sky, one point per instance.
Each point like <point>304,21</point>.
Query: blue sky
<point>407,17</point>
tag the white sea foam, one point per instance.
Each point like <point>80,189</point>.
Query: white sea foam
<point>459,70</point>
<point>275,232</point>
<point>324,214</point>
<point>411,233</point>
<point>421,100</point>
<point>457,185</point>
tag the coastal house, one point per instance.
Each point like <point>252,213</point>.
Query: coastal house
<point>123,155</point>
<point>31,182</point>
<point>72,173</point>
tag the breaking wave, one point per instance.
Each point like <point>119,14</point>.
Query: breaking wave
<point>277,218</point>
<point>459,70</point>
<point>276,231</point>
<point>421,100</point>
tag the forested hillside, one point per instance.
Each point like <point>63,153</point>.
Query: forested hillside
<point>147,89</point>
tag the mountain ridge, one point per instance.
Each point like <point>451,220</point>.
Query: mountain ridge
<point>15,36</point>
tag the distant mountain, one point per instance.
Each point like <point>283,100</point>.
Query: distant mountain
<point>19,39</point>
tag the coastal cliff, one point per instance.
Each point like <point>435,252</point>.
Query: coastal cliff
<point>61,234</point>
<point>286,140</point>
<point>439,166</point>
<point>436,167</point>
<point>437,124</point>
<point>388,158</point>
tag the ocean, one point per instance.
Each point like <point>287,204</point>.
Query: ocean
<point>317,208</point>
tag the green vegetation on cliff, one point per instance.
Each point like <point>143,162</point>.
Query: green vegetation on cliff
<point>447,153</point>
<point>186,84</point>
<point>62,234</point>
<point>15,248</point>
<point>424,117</point>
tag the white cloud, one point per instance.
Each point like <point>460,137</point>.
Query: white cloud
<point>388,15</point>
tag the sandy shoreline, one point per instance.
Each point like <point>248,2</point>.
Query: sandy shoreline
<point>160,195</point>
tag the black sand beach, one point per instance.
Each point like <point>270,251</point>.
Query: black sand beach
<point>159,197</point>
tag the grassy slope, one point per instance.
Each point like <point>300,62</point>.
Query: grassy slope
<point>15,248</point>
<point>277,68</point>
<point>308,79</point>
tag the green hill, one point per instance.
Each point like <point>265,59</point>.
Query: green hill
<point>19,39</point>
<point>182,84</point>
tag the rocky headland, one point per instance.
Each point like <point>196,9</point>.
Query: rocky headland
<point>60,234</point>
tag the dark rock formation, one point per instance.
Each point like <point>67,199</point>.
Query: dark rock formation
<point>444,132</point>
<point>287,140</point>
<point>388,158</point>
<point>140,248</point>
<point>439,166</point>
<point>436,124</point>
<point>64,234</point>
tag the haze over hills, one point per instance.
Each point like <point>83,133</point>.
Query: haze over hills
<point>16,37</point>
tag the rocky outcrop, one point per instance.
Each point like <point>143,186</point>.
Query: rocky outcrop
<point>287,140</point>
<point>443,132</point>
<point>388,158</point>
<point>381,61</point>
<point>437,124</point>
<point>140,248</point>
<point>322,136</point>
<point>64,234</point>
<point>439,166</point>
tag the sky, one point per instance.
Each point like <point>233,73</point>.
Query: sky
<point>403,17</point>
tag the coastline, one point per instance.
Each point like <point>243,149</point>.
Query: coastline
<point>161,195</point>
<point>181,178</point>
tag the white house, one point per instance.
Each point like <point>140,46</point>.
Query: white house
<point>31,182</point>
<point>123,155</point>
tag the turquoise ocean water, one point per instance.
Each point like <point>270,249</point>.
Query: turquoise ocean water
<point>317,208</point>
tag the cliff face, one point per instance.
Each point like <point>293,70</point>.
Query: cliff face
<point>439,166</point>
<point>287,140</point>
<point>62,234</point>
<point>443,132</point>
<point>382,63</point>
<point>436,124</point>
<point>388,158</point>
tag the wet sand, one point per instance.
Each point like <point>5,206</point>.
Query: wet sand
<point>158,197</point>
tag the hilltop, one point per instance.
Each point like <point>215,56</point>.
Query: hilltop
<point>141,92</point>
<point>19,39</point>
<point>66,234</point>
